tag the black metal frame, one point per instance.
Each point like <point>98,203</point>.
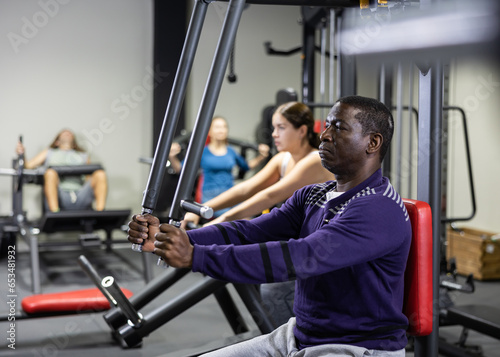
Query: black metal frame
<point>86,221</point>
<point>429,181</point>
<point>469,168</point>
<point>132,335</point>
<point>312,19</point>
<point>429,188</point>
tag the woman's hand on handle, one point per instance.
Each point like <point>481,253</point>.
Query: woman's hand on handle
<point>20,148</point>
<point>190,217</point>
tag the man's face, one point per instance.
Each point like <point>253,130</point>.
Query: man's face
<point>343,145</point>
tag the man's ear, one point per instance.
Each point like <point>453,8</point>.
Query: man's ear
<point>375,143</point>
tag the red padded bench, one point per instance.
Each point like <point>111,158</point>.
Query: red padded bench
<point>77,301</point>
<point>418,275</point>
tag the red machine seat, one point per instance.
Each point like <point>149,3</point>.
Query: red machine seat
<point>70,301</point>
<point>418,306</point>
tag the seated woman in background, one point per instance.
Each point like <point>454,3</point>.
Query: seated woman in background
<point>218,160</point>
<point>68,192</point>
<point>296,165</point>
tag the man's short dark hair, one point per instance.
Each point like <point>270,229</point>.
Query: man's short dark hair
<point>374,117</point>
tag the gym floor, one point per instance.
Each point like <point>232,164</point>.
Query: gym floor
<point>202,327</point>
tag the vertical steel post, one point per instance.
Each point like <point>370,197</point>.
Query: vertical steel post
<point>346,69</point>
<point>410,131</point>
<point>385,96</point>
<point>207,107</point>
<point>172,114</point>
<point>429,181</point>
<point>333,33</point>
<point>308,61</point>
<point>399,125</point>
<point>32,240</point>
<point>174,106</point>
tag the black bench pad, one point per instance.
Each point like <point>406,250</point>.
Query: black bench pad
<point>77,220</point>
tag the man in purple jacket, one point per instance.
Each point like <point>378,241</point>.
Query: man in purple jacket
<point>344,242</point>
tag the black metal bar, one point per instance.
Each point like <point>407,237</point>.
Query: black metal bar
<point>111,291</point>
<point>243,144</point>
<point>429,182</point>
<point>412,109</point>
<point>253,301</point>
<point>320,105</point>
<point>94,276</point>
<point>346,62</point>
<point>308,51</point>
<point>274,52</point>
<point>452,350</point>
<point>469,168</point>
<point>131,336</point>
<point>172,113</point>
<point>115,318</point>
<point>194,151</point>
<point>202,125</point>
<point>17,189</point>
<point>214,83</point>
<point>76,170</point>
<point>410,127</point>
<point>412,112</point>
<point>174,106</point>
<point>32,240</point>
<point>230,310</point>
<point>194,207</point>
<point>109,284</point>
<point>385,96</point>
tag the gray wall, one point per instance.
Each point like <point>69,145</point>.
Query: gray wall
<point>259,76</point>
<point>475,86</point>
<point>87,66</point>
<point>84,65</point>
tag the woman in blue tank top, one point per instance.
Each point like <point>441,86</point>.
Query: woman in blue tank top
<point>218,161</point>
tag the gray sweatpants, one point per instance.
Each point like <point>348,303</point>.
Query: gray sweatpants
<point>281,343</point>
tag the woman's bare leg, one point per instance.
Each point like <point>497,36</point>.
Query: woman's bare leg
<point>99,184</point>
<point>51,182</point>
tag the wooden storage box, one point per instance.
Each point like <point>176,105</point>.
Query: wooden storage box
<point>476,252</point>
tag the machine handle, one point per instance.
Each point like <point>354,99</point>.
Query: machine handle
<point>20,168</point>
<point>136,246</point>
<point>198,209</point>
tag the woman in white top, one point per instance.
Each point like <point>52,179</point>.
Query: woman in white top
<point>296,165</point>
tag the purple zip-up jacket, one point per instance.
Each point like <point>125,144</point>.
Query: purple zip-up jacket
<point>348,256</point>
